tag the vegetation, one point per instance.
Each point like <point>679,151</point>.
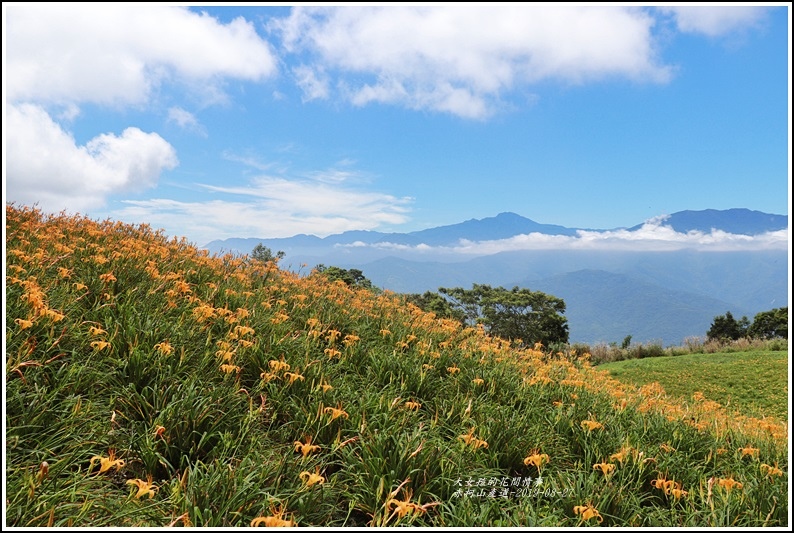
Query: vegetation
<point>264,254</point>
<point>518,314</point>
<point>766,325</point>
<point>351,277</point>
<point>148,384</point>
<point>607,353</point>
<point>732,379</point>
<point>772,324</point>
<point>433,302</point>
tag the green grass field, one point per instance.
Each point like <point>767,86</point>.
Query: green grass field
<point>753,383</point>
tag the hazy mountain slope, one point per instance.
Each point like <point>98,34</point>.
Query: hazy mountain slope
<point>605,307</point>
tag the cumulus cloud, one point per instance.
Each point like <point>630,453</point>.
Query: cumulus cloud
<point>715,20</point>
<point>119,53</point>
<point>461,59</point>
<point>45,166</point>
<point>272,206</point>
<point>61,56</point>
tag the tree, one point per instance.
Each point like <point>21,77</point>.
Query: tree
<point>263,254</point>
<point>626,342</point>
<point>531,316</point>
<point>725,327</point>
<point>352,277</point>
<point>432,302</point>
<point>770,324</point>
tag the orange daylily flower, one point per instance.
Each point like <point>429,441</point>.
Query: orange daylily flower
<point>164,348</point>
<point>678,493</point>
<point>312,478</point>
<point>588,512</point>
<point>144,487</point>
<point>469,438</point>
<point>267,377</point>
<point>275,366</point>
<point>275,520</point>
<point>590,425</point>
<point>306,447</point>
<point>536,459</point>
<point>293,377</point>
<point>243,330</point>
<point>406,506</point>
<point>729,484</point>
<point>228,369</point>
<point>771,470</point>
<point>606,468</point>
<point>335,412</point>
<point>752,452</point>
<point>331,353</point>
<point>100,345</point>
<point>53,315</point>
<point>23,324</point>
<point>106,463</point>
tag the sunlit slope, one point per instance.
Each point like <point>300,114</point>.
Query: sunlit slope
<point>148,384</point>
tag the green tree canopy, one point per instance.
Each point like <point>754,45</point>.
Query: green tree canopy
<point>770,324</point>
<point>352,277</point>
<point>531,316</point>
<point>725,327</point>
<point>264,254</point>
<point>432,302</point>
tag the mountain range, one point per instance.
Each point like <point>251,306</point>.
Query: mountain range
<point>655,294</point>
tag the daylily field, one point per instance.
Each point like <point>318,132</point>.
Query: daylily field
<point>149,384</point>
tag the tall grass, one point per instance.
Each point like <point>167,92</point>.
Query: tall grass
<point>609,353</point>
<point>148,384</point>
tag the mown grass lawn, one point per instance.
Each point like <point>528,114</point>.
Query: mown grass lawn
<point>753,383</point>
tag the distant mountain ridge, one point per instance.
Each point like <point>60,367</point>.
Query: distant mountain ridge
<point>736,221</point>
<point>609,293</point>
<point>505,225</point>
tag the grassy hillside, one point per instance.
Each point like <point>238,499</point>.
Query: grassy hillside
<point>753,383</point>
<point>148,384</point>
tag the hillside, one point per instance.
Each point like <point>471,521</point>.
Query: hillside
<point>149,384</point>
<point>601,304</point>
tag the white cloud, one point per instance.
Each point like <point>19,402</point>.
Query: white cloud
<point>186,120</point>
<point>652,236</point>
<point>45,166</point>
<point>60,56</point>
<point>715,20</point>
<point>461,59</point>
<point>313,83</point>
<point>119,53</point>
<point>270,207</point>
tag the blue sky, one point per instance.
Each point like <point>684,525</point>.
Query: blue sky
<point>256,121</point>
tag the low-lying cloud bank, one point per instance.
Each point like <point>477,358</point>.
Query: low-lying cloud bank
<point>651,237</point>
